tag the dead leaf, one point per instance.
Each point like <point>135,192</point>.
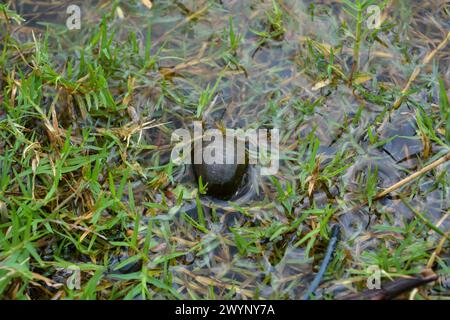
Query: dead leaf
<point>321,84</point>
<point>361,78</point>
<point>120,13</point>
<point>147,3</point>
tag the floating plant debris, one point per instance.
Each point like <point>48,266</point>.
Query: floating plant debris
<point>92,206</point>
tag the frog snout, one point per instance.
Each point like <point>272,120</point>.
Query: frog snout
<point>222,177</point>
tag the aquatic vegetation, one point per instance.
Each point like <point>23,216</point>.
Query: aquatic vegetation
<point>92,207</point>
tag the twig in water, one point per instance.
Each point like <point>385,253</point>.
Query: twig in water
<point>412,176</point>
<point>335,234</point>
<point>401,183</point>
<point>417,70</point>
<point>393,289</point>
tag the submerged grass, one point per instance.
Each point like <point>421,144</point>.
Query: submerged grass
<point>92,208</point>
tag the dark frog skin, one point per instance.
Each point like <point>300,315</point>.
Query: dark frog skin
<point>223,180</point>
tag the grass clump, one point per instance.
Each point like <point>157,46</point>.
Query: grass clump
<point>91,207</point>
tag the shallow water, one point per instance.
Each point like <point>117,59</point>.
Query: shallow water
<point>273,85</point>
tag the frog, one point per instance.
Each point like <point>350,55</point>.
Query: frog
<point>222,179</point>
